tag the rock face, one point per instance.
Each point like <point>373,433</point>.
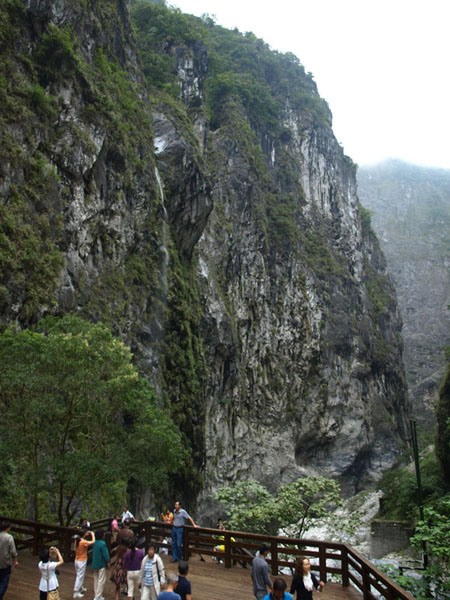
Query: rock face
<point>218,232</point>
<point>411,216</point>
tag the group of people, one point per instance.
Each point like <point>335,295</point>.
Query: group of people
<point>302,583</point>
<point>134,569</point>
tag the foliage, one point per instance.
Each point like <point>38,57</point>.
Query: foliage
<point>240,67</point>
<point>434,531</point>
<point>443,426</point>
<point>56,55</point>
<point>365,216</point>
<point>182,368</point>
<point>417,585</point>
<point>399,487</point>
<point>70,393</point>
<point>29,258</point>
<point>251,507</point>
<point>247,504</point>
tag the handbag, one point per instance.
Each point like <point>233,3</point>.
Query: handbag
<point>54,594</point>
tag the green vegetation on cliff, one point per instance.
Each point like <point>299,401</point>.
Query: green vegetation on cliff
<point>443,426</point>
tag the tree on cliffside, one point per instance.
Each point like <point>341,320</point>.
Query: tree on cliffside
<point>251,507</point>
<point>77,422</point>
<point>443,429</point>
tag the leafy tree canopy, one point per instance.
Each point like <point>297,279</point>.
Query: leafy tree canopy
<point>77,422</point>
<point>251,507</point>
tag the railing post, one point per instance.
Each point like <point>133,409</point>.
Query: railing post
<point>322,563</point>
<point>36,544</point>
<point>148,526</point>
<point>274,557</point>
<point>344,566</point>
<point>67,545</point>
<point>227,542</point>
<point>186,552</point>
<point>365,582</point>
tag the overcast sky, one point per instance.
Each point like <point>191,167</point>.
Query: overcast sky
<point>382,66</point>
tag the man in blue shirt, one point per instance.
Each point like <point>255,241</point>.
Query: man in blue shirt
<point>278,591</point>
<point>180,516</point>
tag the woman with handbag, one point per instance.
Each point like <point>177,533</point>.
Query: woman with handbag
<point>48,586</point>
<point>152,576</point>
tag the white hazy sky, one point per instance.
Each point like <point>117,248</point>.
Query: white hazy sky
<point>382,66</point>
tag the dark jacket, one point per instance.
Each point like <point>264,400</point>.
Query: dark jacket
<point>298,586</point>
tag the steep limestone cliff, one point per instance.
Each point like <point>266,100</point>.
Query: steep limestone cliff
<point>411,216</point>
<point>194,197</point>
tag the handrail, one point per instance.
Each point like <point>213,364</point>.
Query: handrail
<point>354,568</point>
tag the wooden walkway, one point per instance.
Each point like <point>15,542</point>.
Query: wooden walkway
<point>209,579</point>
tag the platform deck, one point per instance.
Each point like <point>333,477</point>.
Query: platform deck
<point>209,579</point>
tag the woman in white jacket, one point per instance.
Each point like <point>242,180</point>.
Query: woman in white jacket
<point>153,576</point>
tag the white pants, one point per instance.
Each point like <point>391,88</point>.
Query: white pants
<point>99,582</point>
<point>80,570</point>
<point>148,592</point>
<point>133,577</point>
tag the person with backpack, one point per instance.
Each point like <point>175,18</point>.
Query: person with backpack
<point>153,575</point>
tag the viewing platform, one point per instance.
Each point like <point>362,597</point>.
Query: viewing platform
<point>209,579</point>
<point>359,579</point>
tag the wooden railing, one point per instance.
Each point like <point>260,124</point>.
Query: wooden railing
<point>327,558</point>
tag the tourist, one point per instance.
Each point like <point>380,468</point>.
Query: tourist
<point>220,538</point>
<point>279,591</point>
<point>184,585</point>
<point>8,556</point>
<point>180,516</point>
<point>261,573</point>
<point>84,523</point>
<point>169,594</point>
<point>152,576</point>
<point>304,581</point>
<point>100,561</point>
<point>126,534</point>
<point>132,563</point>
<point>167,517</point>
<point>114,528</point>
<point>119,573</point>
<point>82,545</point>
<point>127,515</point>
<point>47,567</point>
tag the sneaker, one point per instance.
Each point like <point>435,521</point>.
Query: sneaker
<point>78,595</point>
<point>83,590</point>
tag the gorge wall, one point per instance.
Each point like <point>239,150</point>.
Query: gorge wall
<point>182,183</point>
<point>411,215</point>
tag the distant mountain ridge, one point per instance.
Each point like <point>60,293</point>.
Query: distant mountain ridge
<point>411,216</point>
